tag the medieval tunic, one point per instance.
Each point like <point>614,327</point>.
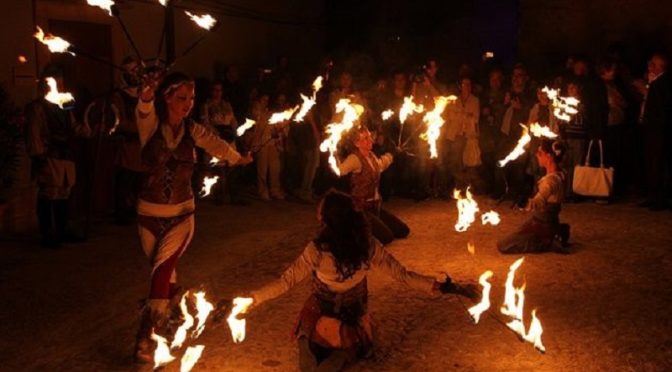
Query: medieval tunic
<point>537,234</point>
<point>335,315</point>
<point>166,201</point>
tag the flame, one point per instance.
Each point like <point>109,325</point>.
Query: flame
<point>190,357</point>
<point>478,309</point>
<point>491,218</point>
<point>208,182</point>
<point>102,4</point>
<point>249,123</point>
<point>466,208</point>
<point>309,102</point>
<point>538,130</point>
<point>22,59</point>
<point>56,97</point>
<point>387,114</point>
<point>534,333</point>
<point>203,310</point>
<point>351,113</point>
<point>240,306</point>
<point>163,2</point>
<point>181,333</point>
<point>54,43</point>
<point>434,123</point>
<point>510,306</point>
<point>407,108</point>
<point>204,21</point>
<point>162,354</point>
<point>563,107</point>
<point>519,149</point>
<point>471,248</point>
<point>279,117</point>
<point>214,160</point>
<point>514,301</point>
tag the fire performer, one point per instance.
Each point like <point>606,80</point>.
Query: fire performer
<point>166,200</point>
<point>539,233</point>
<point>334,327</point>
<point>365,169</point>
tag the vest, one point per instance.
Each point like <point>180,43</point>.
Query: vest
<point>363,185</point>
<point>167,175</point>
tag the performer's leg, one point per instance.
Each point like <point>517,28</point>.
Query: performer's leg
<point>379,230</point>
<point>399,229</point>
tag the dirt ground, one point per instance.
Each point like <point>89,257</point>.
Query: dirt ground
<point>607,306</point>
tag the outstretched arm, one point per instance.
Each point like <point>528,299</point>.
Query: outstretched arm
<point>214,145</point>
<point>294,274</point>
<point>386,263</point>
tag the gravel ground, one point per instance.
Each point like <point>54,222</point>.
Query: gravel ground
<point>604,307</point>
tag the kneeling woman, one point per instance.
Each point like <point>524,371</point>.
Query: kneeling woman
<point>166,200</point>
<point>539,233</point>
<point>334,326</point>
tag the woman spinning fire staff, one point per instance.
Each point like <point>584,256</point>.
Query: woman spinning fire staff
<point>543,232</point>
<point>365,169</point>
<point>166,201</point>
<point>334,326</point>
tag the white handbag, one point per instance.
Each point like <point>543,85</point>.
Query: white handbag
<point>593,181</point>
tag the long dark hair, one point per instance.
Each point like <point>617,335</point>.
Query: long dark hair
<point>345,233</point>
<point>168,86</point>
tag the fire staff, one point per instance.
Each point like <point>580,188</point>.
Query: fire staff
<point>166,200</point>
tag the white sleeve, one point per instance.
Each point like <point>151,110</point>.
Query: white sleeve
<point>148,121</point>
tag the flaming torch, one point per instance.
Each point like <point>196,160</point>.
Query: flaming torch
<point>102,4</point>
<point>208,182</point>
<point>54,43</point>
<point>351,113</point>
<point>309,102</point>
<point>563,107</point>
<point>240,306</point>
<point>205,21</point>
<point>279,117</point>
<point>407,108</point>
<point>467,209</point>
<point>56,97</point>
<point>434,123</point>
<point>534,130</point>
<point>478,309</point>
<point>249,123</point>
